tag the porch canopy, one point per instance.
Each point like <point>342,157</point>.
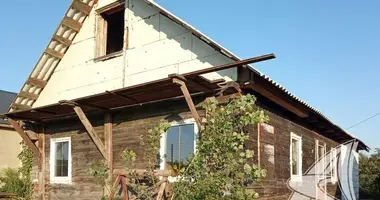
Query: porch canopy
<point>167,88</point>
<point>137,94</point>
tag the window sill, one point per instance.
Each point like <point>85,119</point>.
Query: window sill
<point>61,181</point>
<point>109,56</point>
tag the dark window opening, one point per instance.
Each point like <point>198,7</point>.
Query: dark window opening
<point>115,31</point>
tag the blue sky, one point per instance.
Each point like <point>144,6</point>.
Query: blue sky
<point>327,51</point>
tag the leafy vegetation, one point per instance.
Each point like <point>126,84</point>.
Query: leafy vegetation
<point>370,175</point>
<point>19,181</point>
<point>222,167</point>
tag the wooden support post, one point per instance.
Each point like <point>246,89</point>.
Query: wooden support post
<point>26,138</point>
<point>161,191</point>
<point>41,166</point>
<point>108,140</point>
<point>114,187</point>
<point>125,188</point>
<point>91,131</point>
<point>258,144</point>
<point>189,100</point>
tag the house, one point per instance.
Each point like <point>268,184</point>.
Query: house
<point>9,140</point>
<point>114,69</point>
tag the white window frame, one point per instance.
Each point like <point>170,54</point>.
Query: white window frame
<point>53,178</point>
<point>297,177</point>
<point>334,163</point>
<point>163,142</point>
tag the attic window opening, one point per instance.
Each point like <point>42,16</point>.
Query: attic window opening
<point>110,32</point>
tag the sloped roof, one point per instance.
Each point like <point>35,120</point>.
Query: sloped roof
<point>6,99</point>
<point>53,54</point>
<point>71,25</point>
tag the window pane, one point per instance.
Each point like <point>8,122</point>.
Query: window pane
<point>295,157</point>
<point>61,159</point>
<point>180,143</point>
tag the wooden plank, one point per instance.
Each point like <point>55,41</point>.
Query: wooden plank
<point>260,89</point>
<point>28,95</point>
<point>54,53</point>
<point>62,40</point>
<point>42,166</point>
<point>26,138</point>
<point>82,7</point>
<point>161,191</point>
<point>143,172</point>
<point>125,188</point>
<point>91,131</point>
<point>72,24</point>
<point>258,144</point>
<point>17,106</point>
<point>189,100</point>
<point>114,187</point>
<point>32,135</point>
<point>230,65</point>
<point>192,83</point>
<point>108,140</point>
<point>36,82</point>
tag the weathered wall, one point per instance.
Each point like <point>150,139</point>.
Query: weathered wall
<point>129,124</point>
<point>275,154</point>
<point>157,47</point>
<point>9,148</point>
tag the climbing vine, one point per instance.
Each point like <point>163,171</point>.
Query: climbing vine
<point>222,166</point>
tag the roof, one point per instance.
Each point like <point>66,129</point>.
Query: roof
<point>6,99</point>
<point>71,24</point>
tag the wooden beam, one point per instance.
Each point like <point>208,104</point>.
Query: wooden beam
<point>260,89</point>
<point>72,24</point>
<point>189,100</point>
<point>161,191</point>
<point>108,140</point>
<point>82,7</point>
<point>54,53</point>
<point>231,65</point>
<point>114,187</point>
<point>26,138</point>
<point>32,135</point>
<point>62,40</point>
<point>36,82</point>
<point>28,95</point>
<point>91,131</point>
<point>120,95</point>
<point>125,188</point>
<point>42,166</point>
<point>196,85</point>
<point>143,172</point>
<point>18,106</point>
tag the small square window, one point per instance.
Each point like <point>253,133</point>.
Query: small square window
<point>60,160</point>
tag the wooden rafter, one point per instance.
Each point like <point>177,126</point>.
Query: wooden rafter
<point>200,87</point>
<point>26,138</point>
<point>91,131</point>
<point>62,40</point>
<point>189,100</point>
<point>20,106</point>
<point>36,82</point>
<point>72,24</point>
<point>28,95</point>
<point>54,53</point>
<point>69,24</point>
<point>79,5</point>
<point>268,94</point>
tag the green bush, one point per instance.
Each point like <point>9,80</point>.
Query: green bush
<point>12,182</point>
